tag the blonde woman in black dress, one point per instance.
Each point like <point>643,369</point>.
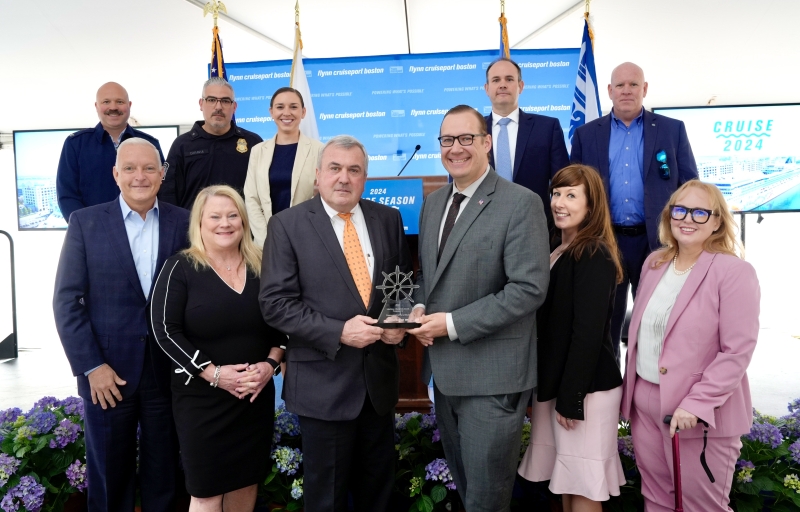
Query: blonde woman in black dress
<point>206,317</point>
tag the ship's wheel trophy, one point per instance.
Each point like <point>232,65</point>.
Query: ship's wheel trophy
<point>397,288</point>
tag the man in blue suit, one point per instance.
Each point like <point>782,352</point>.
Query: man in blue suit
<point>643,158</point>
<point>84,168</point>
<point>528,149</point>
<point>111,253</point>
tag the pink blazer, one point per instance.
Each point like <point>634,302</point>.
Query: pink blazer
<point>710,338</point>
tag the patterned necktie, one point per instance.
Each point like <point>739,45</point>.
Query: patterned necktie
<point>450,221</point>
<point>354,255</point>
<point>503,161</point>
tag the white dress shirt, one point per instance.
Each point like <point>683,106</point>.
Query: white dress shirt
<point>512,127</point>
<point>360,224</point>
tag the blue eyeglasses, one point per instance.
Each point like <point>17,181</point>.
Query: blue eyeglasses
<point>663,170</point>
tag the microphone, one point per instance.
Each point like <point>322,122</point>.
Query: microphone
<point>410,159</point>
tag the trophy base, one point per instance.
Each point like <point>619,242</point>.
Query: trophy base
<point>398,325</point>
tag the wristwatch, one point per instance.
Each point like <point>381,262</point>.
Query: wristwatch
<point>276,366</point>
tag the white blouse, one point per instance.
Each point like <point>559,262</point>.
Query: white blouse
<point>654,323</point>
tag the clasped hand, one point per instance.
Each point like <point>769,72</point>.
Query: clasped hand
<point>433,326</point>
<point>241,380</point>
<point>681,419</point>
<point>360,332</point>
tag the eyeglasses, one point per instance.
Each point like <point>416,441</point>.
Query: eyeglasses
<point>699,215</point>
<point>226,102</point>
<point>465,139</point>
<point>663,170</point>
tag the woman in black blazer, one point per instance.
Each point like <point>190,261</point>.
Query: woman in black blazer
<point>576,411</point>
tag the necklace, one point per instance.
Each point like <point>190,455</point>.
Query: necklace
<point>675,266</point>
<point>228,267</point>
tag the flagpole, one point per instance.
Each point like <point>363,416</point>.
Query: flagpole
<point>505,48</point>
<point>298,42</point>
<point>586,17</point>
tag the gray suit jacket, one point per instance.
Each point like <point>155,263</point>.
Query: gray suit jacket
<point>308,293</point>
<point>492,277</point>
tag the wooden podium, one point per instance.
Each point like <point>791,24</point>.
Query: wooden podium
<point>413,392</point>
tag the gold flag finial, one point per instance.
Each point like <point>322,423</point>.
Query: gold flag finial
<point>586,17</point>
<point>502,6</point>
<point>214,7</point>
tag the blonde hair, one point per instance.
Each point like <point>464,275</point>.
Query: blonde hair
<point>724,240</point>
<point>196,253</point>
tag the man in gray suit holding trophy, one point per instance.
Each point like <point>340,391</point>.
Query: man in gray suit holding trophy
<point>484,272</point>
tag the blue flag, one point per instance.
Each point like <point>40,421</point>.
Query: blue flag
<point>586,102</point>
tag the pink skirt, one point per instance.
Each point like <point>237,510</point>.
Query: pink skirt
<point>583,461</point>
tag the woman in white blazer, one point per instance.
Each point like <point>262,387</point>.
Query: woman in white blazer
<point>281,172</point>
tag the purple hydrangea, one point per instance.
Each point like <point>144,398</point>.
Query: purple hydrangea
<point>794,451</point>
<point>766,433</point>
<point>285,423</point>
<point>744,472</point>
<point>428,421</point>
<point>401,420</point>
<point>45,403</point>
<point>436,436</point>
<point>28,493</point>
<point>791,425</point>
<point>287,459</point>
<point>73,406</point>
<point>9,504</point>
<point>10,415</point>
<point>437,471</point>
<point>625,447</point>
<point>76,474</point>
<point>794,405</point>
<point>66,432</point>
<point>8,466</point>
<point>42,421</point>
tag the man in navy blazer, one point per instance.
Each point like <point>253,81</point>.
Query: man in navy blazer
<point>643,158</point>
<point>535,144</point>
<point>84,168</point>
<point>102,292</point>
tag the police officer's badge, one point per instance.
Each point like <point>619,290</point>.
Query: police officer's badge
<point>241,146</point>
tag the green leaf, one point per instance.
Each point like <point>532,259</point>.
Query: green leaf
<point>763,483</point>
<point>438,493</point>
<point>22,451</point>
<point>427,504</point>
<point>294,505</point>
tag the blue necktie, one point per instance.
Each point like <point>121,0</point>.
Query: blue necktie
<point>503,161</point>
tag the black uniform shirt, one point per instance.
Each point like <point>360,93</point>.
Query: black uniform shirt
<point>199,159</point>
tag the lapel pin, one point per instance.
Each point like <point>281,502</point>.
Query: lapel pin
<point>480,202</point>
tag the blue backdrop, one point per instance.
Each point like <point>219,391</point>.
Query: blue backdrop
<point>391,103</point>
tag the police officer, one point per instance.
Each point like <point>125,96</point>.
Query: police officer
<point>214,152</point>
<point>84,177</point>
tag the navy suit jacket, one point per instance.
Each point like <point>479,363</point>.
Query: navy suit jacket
<point>540,153</point>
<point>99,306</point>
<point>308,293</point>
<point>590,147</point>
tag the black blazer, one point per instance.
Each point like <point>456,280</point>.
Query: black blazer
<point>308,293</point>
<point>575,352</point>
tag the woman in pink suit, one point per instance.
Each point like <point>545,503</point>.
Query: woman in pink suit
<point>692,335</point>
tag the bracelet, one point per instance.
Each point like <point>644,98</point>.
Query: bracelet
<point>217,371</point>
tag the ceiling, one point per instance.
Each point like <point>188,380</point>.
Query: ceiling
<point>738,51</point>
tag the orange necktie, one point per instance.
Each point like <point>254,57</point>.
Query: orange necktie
<point>354,255</point>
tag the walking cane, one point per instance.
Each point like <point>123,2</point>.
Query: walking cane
<point>676,466</point>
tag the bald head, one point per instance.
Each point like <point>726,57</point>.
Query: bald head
<point>113,108</point>
<point>627,91</point>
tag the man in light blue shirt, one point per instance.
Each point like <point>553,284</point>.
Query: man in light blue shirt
<point>110,255</point>
<point>643,158</point>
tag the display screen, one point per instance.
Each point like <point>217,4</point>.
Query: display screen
<point>36,155</point>
<point>391,103</point>
<point>751,152</point>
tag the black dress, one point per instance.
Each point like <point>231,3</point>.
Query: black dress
<point>198,319</point>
